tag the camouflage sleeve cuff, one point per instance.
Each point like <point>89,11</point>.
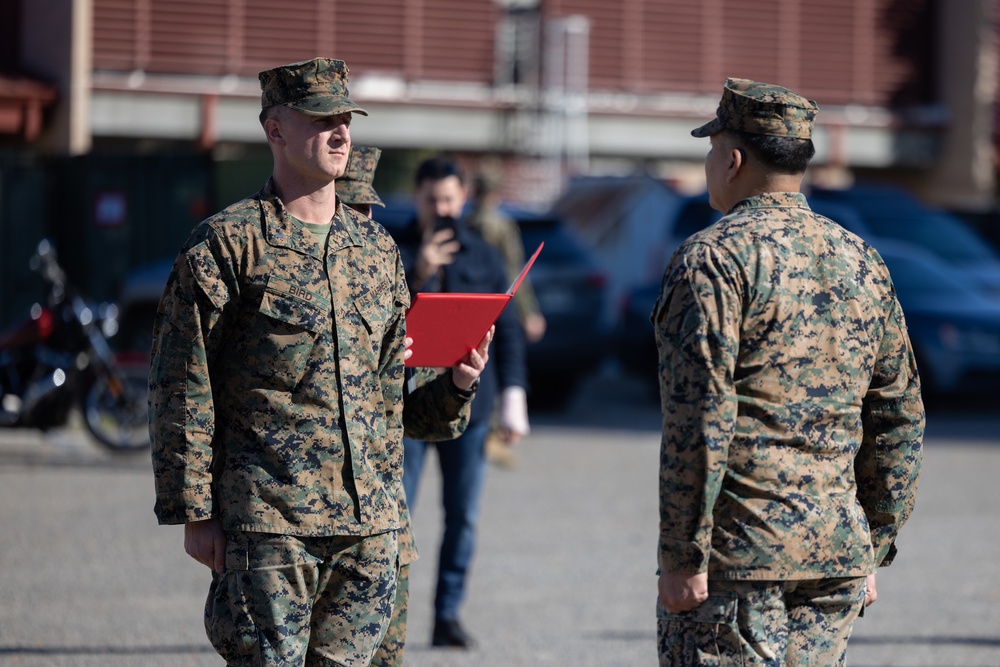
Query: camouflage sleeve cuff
<point>884,545</point>
<point>682,557</point>
<point>459,393</point>
<point>437,410</point>
<point>886,560</point>
<point>184,506</point>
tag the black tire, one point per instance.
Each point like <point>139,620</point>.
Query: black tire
<point>120,423</point>
<point>136,328</point>
<point>552,392</point>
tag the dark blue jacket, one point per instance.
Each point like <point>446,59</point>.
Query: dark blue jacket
<point>479,268</point>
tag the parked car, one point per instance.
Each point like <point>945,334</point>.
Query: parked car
<point>695,214</point>
<point>617,218</point>
<point>954,326</point>
<point>572,294</point>
<point>139,297</point>
<point>635,344</point>
<point>571,291</point>
<point>985,221</point>
<point>892,213</point>
<point>954,323</point>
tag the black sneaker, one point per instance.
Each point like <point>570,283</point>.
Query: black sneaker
<point>451,633</point>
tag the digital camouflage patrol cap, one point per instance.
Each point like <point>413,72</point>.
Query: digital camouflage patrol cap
<point>355,186</point>
<point>761,108</point>
<point>317,87</point>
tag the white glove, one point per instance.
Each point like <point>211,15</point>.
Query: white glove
<point>514,411</point>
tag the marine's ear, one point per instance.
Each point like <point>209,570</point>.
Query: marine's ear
<point>737,159</point>
<point>272,130</point>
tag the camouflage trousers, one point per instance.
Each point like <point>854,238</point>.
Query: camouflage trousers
<point>390,651</point>
<point>764,624</point>
<point>302,601</point>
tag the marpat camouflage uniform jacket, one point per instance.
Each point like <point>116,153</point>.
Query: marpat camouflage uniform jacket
<point>792,417</point>
<point>277,375</point>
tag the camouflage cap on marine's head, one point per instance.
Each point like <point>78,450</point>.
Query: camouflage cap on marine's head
<point>355,186</point>
<point>761,108</point>
<point>317,87</point>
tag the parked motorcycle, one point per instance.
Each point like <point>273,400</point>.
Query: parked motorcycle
<point>59,358</point>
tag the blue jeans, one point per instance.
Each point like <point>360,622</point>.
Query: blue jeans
<point>463,467</point>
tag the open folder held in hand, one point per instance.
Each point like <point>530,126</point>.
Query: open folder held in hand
<point>446,326</point>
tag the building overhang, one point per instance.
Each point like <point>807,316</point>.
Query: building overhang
<point>441,115</point>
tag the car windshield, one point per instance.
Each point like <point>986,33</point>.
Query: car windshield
<point>894,216</point>
<point>945,236</point>
<point>560,247</point>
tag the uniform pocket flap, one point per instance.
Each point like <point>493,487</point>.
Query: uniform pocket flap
<point>374,308</point>
<point>291,310</point>
<point>719,608</point>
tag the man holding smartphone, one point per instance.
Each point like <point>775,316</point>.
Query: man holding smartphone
<point>440,255</point>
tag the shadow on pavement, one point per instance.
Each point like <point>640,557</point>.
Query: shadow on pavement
<point>104,650</point>
<point>937,641</point>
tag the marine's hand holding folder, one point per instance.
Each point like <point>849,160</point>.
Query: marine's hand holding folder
<point>466,372</point>
<point>447,325</point>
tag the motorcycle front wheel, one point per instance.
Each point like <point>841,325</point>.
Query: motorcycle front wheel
<point>115,410</point>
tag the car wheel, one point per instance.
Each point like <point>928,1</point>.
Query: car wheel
<point>552,391</point>
<point>135,332</point>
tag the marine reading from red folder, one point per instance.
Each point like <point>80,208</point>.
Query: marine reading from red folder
<point>446,326</point>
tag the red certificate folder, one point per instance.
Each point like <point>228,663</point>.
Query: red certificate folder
<point>445,326</point>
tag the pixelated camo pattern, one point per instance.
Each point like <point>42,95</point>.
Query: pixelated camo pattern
<point>393,647</point>
<point>276,382</point>
<point>763,624</point>
<point>435,410</point>
<point>355,186</point>
<point>792,416</point>
<point>317,86</point>
<point>762,108</point>
<point>272,606</point>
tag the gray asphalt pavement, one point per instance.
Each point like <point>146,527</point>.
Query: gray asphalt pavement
<point>564,573</point>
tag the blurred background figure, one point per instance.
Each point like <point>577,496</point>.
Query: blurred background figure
<point>441,255</point>
<point>355,187</point>
<point>436,405</point>
<point>501,231</point>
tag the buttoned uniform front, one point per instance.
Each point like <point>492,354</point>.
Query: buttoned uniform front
<point>276,381</point>
<point>276,397</point>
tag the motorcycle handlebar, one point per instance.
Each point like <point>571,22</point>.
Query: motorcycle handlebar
<point>45,263</point>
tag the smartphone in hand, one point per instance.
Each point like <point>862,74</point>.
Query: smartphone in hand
<point>444,222</point>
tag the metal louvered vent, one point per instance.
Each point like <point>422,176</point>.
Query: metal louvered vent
<point>884,50</point>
